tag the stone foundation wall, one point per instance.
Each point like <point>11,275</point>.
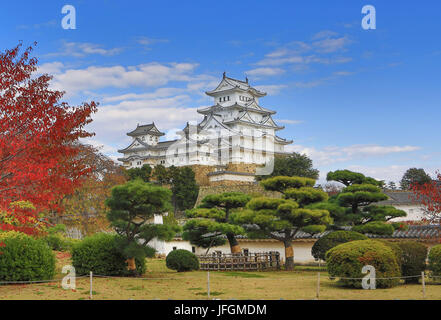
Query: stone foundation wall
<point>201,174</point>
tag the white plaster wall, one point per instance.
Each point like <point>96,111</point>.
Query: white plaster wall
<point>414,212</point>
<point>302,250</point>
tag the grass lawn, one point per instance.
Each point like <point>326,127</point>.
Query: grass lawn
<point>167,284</point>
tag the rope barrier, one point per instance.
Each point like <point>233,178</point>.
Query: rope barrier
<point>177,278</point>
<point>36,281</point>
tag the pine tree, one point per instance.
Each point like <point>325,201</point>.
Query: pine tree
<point>212,219</point>
<point>132,208</point>
<point>281,219</point>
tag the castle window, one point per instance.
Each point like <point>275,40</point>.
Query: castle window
<point>228,98</point>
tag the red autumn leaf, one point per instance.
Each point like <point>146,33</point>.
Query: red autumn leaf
<point>39,135</point>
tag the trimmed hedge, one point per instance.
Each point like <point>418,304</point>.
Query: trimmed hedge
<point>24,258</point>
<point>396,249</point>
<point>346,261</point>
<point>182,260</point>
<point>435,260</point>
<point>99,254</point>
<point>413,259</point>
<point>333,239</point>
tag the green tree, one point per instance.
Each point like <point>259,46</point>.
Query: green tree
<point>143,173</point>
<point>281,219</point>
<point>211,220</point>
<point>348,178</point>
<point>132,207</point>
<point>185,189</point>
<point>161,175</point>
<point>358,198</point>
<point>295,164</point>
<point>413,176</point>
<point>391,185</point>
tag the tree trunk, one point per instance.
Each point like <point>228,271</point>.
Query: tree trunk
<point>234,245</point>
<point>131,265</point>
<point>289,256</point>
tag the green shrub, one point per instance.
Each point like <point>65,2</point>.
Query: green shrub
<point>182,260</point>
<point>333,239</point>
<point>346,261</point>
<point>99,254</point>
<point>24,258</point>
<point>395,248</point>
<point>56,242</point>
<point>435,260</point>
<point>56,239</point>
<point>413,259</point>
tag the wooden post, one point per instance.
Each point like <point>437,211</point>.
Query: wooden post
<point>318,285</point>
<point>91,285</point>
<point>208,284</point>
<point>424,284</point>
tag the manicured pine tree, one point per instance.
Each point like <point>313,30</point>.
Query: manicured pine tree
<point>358,198</point>
<point>281,219</point>
<point>212,218</point>
<point>132,208</point>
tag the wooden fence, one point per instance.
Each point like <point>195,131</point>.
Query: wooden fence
<point>240,262</point>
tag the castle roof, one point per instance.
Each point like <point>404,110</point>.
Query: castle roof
<point>230,84</point>
<point>145,129</point>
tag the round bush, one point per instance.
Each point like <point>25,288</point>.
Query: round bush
<point>435,260</point>
<point>346,261</point>
<point>333,239</point>
<point>182,260</point>
<point>413,259</point>
<point>395,248</point>
<point>99,254</point>
<point>24,258</point>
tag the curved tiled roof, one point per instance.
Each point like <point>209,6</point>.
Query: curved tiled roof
<point>144,129</point>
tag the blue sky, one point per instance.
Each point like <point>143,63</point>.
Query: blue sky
<point>367,100</point>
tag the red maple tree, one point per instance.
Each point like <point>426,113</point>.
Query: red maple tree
<point>429,195</point>
<point>39,160</point>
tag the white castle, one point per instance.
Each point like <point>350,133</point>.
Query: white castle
<point>235,130</point>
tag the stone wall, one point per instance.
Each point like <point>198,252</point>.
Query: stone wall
<point>201,174</point>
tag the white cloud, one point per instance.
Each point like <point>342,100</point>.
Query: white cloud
<point>387,173</point>
<point>374,150</point>
<point>146,41</point>
<point>329,44</point>
<point>264,72</point>
<point>318,50</point>
<point>146,75</point>
<point>271,89</point>
<point>333,154</point>
<point>50,68</point>
<point>82,49</point>
<point>288,121</point>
